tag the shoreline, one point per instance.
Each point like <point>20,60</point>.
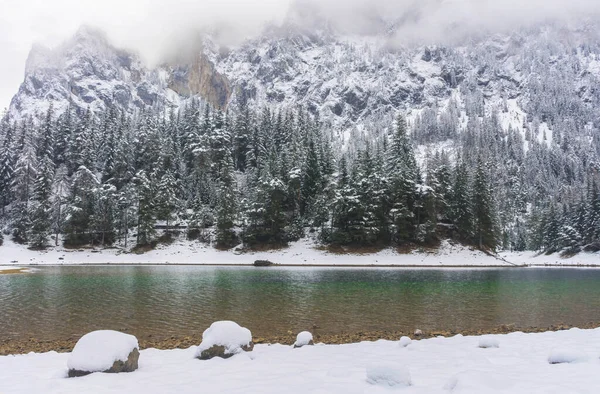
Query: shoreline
<point>24,346</point>
<point>303,253</point>
<point>7,269</point>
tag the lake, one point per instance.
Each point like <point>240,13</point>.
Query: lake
<point>59,302</point>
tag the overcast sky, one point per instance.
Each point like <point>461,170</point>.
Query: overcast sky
<point>151,26</point>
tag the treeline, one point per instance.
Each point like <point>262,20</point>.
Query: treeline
<point>264,178</point>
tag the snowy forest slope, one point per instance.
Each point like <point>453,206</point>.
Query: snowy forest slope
<point>297,129</point>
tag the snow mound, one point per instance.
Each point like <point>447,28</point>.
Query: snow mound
<point>405,341</point>
<point>566,355</point>
<point>479,382</point>
<point>487,342</point>
<point>303,339</point>
<point>388,375</point>
<point>227,334</point>
<point>98,350</point>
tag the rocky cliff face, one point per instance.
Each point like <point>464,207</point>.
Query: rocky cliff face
<point>350,81</point>
<point>201,79</point>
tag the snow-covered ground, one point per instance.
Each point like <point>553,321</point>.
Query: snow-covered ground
<point>303,252</point>
<point>556,260</point>
<point>522,363</point>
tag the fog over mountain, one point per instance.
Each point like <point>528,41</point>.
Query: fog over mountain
<point>154,27</point>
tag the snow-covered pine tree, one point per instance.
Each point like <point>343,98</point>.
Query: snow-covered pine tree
<point>168,204</point>
<point>347,223</point>
<point>78,227</point>
<point>105,214</point>
<point>26,169</point>
<point>60,195</point>
<point>265,221</point>
<point>403,172</point>
<point>483,209</point>
<point>146,192</point>
<point>7,161</point>
<point>41,207</point>
<point>461,209</point>
<point>226,210</point>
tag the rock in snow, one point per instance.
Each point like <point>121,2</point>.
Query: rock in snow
<point>405,341</point>
<point>487,342</point>
<point>104,351</point>
<point>566,355</point>
<point>303,339</point>
<point>224,339</point>
<point>388,375</point>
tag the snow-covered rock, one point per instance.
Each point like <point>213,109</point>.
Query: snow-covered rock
<point>388,375</point>
<point>224,339</point>
<point>303,339</point>
<point>418,332</point>
<point>405,341</point>
<point>566,356</point>
<point>104,351</point>
<point>488,341</point>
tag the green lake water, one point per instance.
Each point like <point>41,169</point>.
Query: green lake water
<point>60,302</point>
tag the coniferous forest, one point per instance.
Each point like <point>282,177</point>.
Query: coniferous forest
<point>266,177</point>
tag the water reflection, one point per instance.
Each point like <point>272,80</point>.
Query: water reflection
<point>58,302</point>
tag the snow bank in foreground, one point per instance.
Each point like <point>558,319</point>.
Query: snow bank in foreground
<point>566,356</point>
<point>98,350</point>
<point>388,375</point>
<point>227,334</point>
<point>436,366</point>
<point>488,341</point>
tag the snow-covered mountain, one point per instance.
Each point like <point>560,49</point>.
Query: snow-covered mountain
<point>519,107</point>
<point>349,80</point>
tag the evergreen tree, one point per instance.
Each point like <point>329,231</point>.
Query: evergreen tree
<point>105,212</point>
<point>78,228</point>
<point>266,221</point>
<point>461,209</point>
<point>7,163</point>
<point>483,209</point>
<point>41,209</point>
<point>167,203</point>
<point>146,208</point>
<point>226,206</point>
<point>403,173</point>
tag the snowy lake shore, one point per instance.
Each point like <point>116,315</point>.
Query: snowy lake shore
<point>550,362</point>
<point>302,253</point>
